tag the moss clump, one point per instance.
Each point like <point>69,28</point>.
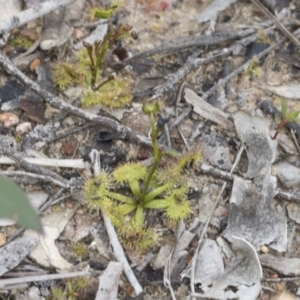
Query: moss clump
<point>65,74</point>
<point>80,250</point>
<point>20,41</point>
<point>114,94</point>
<point>253,69</point>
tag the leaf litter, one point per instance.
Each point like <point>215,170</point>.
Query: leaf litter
<point>254,216</point>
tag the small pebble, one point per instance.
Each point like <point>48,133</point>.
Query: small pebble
<point>9,119</point>
<point>23,128</point>
<point>264,249</point>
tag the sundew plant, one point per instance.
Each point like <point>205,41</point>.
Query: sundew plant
<point>131,189</point>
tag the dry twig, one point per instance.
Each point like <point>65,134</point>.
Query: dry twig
<point>33,175</point>
<point>55,102</point>
<point>5,283</point>
<point>279,25</point>
<point>117,247</point>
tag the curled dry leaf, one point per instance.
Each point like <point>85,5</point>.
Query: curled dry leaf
<point>9,119</point>
<point>36,62</point>
<point>23,128</point>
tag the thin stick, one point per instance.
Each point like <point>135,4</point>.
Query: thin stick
<point>167,275</point>
<point>239,70</point>
<point>176,114</point>
<point>49,162</point>
<point>69,132</point>
<point>33,175</point>
<point>113,237</point>
<point>223,175</point>
<point>30,167</point>
<point>193,63</point>
<point>184,43</point>
<point>295,140</point>
<point>178,120</point>
<point>279,25</point>
<point>4,283</point>
<point>31,14</point>
<point>284,279</point>
<point>193,265</point>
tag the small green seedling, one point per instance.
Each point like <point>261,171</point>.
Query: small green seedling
<point>85,72</point>
<point>253,70</point>
<point>71,291</point>
<point>285,117</point>
<point>132,189</point>
<point>97,51</point>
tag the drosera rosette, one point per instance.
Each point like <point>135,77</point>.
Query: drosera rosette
<point>178,206</point>
<point>97,192</point>
<point>132,188</point>
<point>65,74</point>
<point>136,238</point>
<point>129,172</point>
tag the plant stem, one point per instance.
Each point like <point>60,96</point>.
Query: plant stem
<point>157,157</point>
<point>279,127</point>
<point>150,174</point>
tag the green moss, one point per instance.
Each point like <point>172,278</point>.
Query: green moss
<point>20,41</point>
<point>253,69</point>
<point>65,74</point>
<point>80,250</point>
<point>114,94</point>
<point>57,294</point>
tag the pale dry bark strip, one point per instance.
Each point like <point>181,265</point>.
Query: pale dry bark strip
<point>5,283</point>
<point>33,175</point>
<point>193,262</point>
<point>49,162</point>
<point>31,14</point>
<point>206,110</point>
<point>19,159</point>
<point>109,282</point>
<point>113,237</point>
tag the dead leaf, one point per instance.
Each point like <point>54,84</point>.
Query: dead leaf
<point>109,282</point>
<point>46,252</point>
<point>212,11</point>
<point>284,265</point>
<point>289,91</point>
<point>12,254</point>
<point>240,279</point>
<point>251,215</point>
<point>36,62</point>
<point>207,111</point>
<point>261,150</point>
